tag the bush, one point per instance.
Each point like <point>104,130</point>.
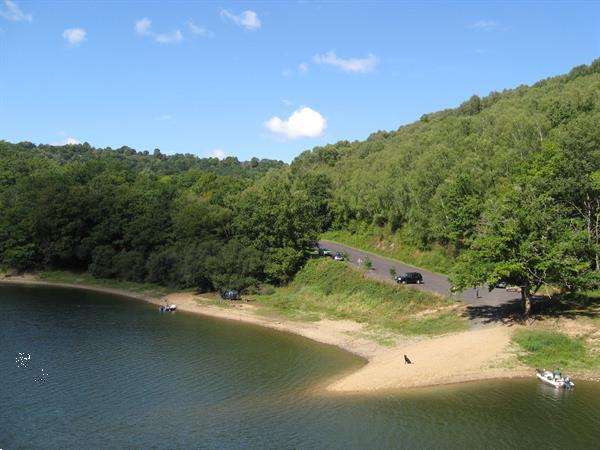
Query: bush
<point>102,265</point>
<point>161,268</point>
<point>130,266</point>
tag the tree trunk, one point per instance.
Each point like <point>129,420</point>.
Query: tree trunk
<point>597,234</point>
<point>592,215</point>
<point>525,300</point>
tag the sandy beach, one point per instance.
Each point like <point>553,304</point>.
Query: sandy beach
<point>477,354</point>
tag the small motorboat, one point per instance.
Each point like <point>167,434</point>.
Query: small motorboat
<point>167,308</point>
<point>557,381</point>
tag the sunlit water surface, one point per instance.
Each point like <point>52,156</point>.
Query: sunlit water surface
<point>86,370</point>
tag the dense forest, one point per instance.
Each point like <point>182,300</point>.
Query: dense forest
<point>174,220</point>
<point>510,183</point>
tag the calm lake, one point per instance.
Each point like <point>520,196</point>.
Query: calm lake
<point>87,370</point>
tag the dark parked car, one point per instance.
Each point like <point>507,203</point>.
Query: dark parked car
<point>324,251</point>
<point>410,277</point>
<point>338,257</point>
<point>231,295</point>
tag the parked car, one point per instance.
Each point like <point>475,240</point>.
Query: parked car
<point>501,285</point>
<point>338,256</point>
<point>410,277</point>
<point>231,294</point>
<point>324,251</point>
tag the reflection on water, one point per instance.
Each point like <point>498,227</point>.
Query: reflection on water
<point>119,374</point>
<point>551,393</point>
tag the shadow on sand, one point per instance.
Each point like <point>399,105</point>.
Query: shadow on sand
<point>542,308</point>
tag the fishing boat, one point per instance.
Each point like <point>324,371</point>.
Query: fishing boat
<point>558,382</point>
<point>167,308</point>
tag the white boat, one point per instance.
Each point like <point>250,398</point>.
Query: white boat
<point>167,308</point>
<point>548,377</point>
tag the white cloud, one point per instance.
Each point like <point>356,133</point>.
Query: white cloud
<point>357,65</point>
<point>168,38</point>
<point>67,141</point>
<point>247,19</point>
<point>485,25</point>
<point>200,31</point>
<point>304,122</point>
<point>217,153</point>
<point>74,36</point>
<point>302,69</point>
<point>143,27</point>
<point>11,11</point>
<point>287,102</point>
<point>165,118</point>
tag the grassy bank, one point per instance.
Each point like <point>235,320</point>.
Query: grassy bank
<point>86,279</point>
<point>549,349</point>
<point>390,245</point>
<point>325,288</point>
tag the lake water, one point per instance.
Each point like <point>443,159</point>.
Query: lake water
<point>86,370</point>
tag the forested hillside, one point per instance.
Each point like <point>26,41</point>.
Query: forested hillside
<point>509,183</point>
<point>432,178</point>
<point>514,177</point>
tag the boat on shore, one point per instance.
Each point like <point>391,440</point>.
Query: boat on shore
<point>558,382</point>
<point>167,308</point>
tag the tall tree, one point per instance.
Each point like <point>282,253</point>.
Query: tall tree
<point>525,239</point>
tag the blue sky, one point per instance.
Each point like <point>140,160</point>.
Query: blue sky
<point>266,79</point>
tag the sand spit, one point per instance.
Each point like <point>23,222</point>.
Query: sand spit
<point>472,355</point>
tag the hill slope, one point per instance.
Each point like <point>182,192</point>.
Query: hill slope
<point>430,181</point>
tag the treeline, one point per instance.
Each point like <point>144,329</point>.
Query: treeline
<point>174,220</point>
<point>155,161</point>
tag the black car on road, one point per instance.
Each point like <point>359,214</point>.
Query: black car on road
<point>410,277</point>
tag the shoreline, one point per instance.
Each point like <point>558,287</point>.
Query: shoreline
<point>239,312</point>
<point>436,361</point>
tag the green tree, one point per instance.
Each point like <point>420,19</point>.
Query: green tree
<point>525,239</point>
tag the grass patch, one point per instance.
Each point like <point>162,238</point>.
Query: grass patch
<point>329,289</point>
<point>547,349</point>
<point>390,245</point>
<point>86,279</point>
<point>442,323</point>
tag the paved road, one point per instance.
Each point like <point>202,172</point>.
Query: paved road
<point>488,303</point>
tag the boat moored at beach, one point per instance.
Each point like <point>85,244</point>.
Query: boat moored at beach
<point>555,380</point>
<point>167,308</point>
